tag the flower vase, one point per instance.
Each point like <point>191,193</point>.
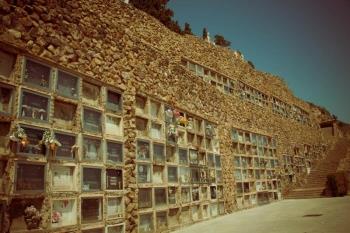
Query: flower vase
<point>32,223</point>
<point>13,146</point>
<point>53,149</point>
<point>32,217</point>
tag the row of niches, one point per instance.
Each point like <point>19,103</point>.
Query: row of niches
<point>195,167</point>
<point>220,81</point>
<point>255,174</point>
<point>257,186</point>
<point>295,165</point>
<point>228,85</point>
<point>36,107</point>
<point>160,153</point>
<point>164,220</point>
<point>280,107</point>
<point>246,137</point>
<point>163,197</point>
<point>300,150</point>
<point>260,198</point>
<point>298,161</point>
<point>31,177</point>
<point>307,151</point>
<point>92,211</point>
<point>174,135</point>
<point>52,80</point>
<point>290,111</point>
<point>256,168</point>
<point>162,175</point>
<point>30,141</point>
<point>255,162</point>
<point>305,154</point>
<point>247,93</point>
<point>244,149</point>
<point>149,110</point>
<point>252,95</point>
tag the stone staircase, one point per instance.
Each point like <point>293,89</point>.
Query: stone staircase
<point>317,178</point>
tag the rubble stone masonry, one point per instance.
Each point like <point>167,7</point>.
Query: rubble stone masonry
<point>124,52</point>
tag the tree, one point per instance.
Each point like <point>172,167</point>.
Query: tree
<point>205,33</point>
<point>187,29</point>
<point>175,27</point>
<point>158,9</point>
<point>221,41</point>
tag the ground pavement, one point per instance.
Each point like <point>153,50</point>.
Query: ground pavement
<point>319,215</point>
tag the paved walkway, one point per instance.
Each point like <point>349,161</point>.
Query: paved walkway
<point>283,217</point>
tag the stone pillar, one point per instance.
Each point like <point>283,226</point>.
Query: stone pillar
<point>130,199</point>
<point>227,168</point>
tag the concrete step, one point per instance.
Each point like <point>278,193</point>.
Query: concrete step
<point>317,179</point>
<point>305,193</point>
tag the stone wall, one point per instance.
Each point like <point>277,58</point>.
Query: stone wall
<point>114,24</point>
<point>344,166</point>
<point>116,44</point>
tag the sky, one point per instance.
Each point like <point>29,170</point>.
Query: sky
<point>306,42</point>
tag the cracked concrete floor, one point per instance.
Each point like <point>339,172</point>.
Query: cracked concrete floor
<point>283,217</point>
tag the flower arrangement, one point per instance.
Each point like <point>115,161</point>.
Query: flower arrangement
<point>176,113</point>
<point>172,132</point>
<point>56,217</point>
<point>50,141</point>
<point>32,217</point>
<point>18,136</point>
<point>182,121</point>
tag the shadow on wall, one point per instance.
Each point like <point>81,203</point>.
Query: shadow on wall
<point>345,128</point>
<point>336,128</point>
<point>337,184</point>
